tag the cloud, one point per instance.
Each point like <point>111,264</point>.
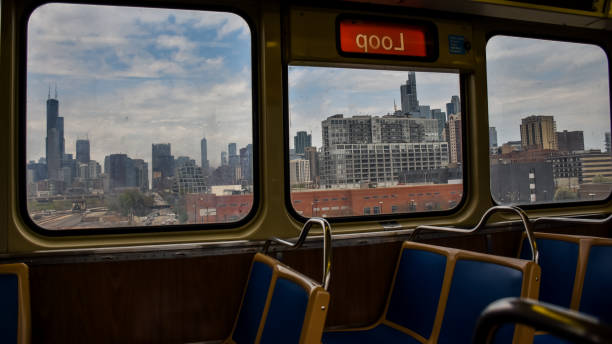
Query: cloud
<point>130,77</point>
<point>539,77</point>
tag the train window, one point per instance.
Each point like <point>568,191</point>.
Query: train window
<point>358,135</point>
<point>155,123</point>
<point>549,117</point>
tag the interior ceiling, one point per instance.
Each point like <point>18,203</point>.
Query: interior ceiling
<point>501,11</point>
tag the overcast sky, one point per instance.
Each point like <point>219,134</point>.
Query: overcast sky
<point>130,77</point>
<point>538,77</point>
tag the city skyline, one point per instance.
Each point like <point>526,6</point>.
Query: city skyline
<point>129,77</point>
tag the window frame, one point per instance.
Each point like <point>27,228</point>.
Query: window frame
<point>557,38</point>
<point>21,169</point>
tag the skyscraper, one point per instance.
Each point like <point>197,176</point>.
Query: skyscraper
<point>410,102</point>
<point>204,153</point>
<point>163,165</point>
<point>55,138</point>
<point>455,138</point>
<point>607,141</point>
<point>300,141</point>
<point>454,107</point>
<point>570,141</point>
<point>82,151</point>
<point>539,132</point>
<point>492,137</point>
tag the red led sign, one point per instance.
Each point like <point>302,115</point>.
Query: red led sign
<point>379,38</point>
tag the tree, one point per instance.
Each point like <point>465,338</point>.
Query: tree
<point>135,203</point>
<point>565,194</point>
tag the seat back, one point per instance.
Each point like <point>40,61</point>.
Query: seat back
<point>559,263</point>
<point>14,304</point>
<point>279,306</point>
<point>416,288</point>
<point>575,272</point>
<point>595,279</point>
<point>438,292</point>
<point>478,280</point>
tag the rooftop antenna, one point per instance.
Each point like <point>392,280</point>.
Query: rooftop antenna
<point>49,94</point>
<point>55,90</point>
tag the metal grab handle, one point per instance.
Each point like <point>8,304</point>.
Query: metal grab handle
<point>560,322</point>
<point>570,220</point>
<point>527,225</point>
<point>327,248</point>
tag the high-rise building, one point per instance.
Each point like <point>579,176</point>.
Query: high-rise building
<point>454,107</point>
<point>55,139</point>
<point>311,154</point>
<point>163,165</point>
<point>246,164</point>
<point>439,116</point>
<point>570,141</point>
<point>300,141</point>
<point>607,141</point>
<point>204,153</point>
<point>223,158</point>
<point>410,102</point>
<point>299,171</point>
<point>188,179</point>
<point>539,132</point>
<point>492,137</point>
<point>455,138</point>
<point>378,149</point>
<point>82,151</point>
<point>387,129</point>
<point>231,149</point>
<point>124,172</point>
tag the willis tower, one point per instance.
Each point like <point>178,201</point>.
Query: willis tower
<point>55,147</point>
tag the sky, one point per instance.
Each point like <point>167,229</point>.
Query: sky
<point>130,77</point>
<point>539,77</point>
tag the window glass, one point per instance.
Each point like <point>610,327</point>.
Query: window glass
<point>137,117</point>
<point>357,136</point>
<point>549,117</point>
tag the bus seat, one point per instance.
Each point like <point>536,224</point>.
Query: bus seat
<point>279,306</point>
<point>590,280</point>
<point>479,280</point>
<point>559,261</point>
<point>438,293</point>
<point>14,303</point>
<point>595,297</point>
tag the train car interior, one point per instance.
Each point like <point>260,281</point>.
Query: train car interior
<point>266,171</point>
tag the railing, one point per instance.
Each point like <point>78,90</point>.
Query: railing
<point>573,221</point>
<point>327,248</point>
<point>527,225</point>
<point>559,322</point>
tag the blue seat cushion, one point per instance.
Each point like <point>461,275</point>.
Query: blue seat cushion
<point>548,339</point>
<point>596,296</point>
<point>379,334</point>
<point>286,314</point>
<point>9,308</point>
<point>474,286</point>
<point>558,261</point>
<point>415,296</point>
<point>253,303</point>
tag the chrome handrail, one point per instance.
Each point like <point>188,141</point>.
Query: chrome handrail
<point>327,247</point>
<point>497,209</point>
<point>571,220</point>
<point>557,321</point>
